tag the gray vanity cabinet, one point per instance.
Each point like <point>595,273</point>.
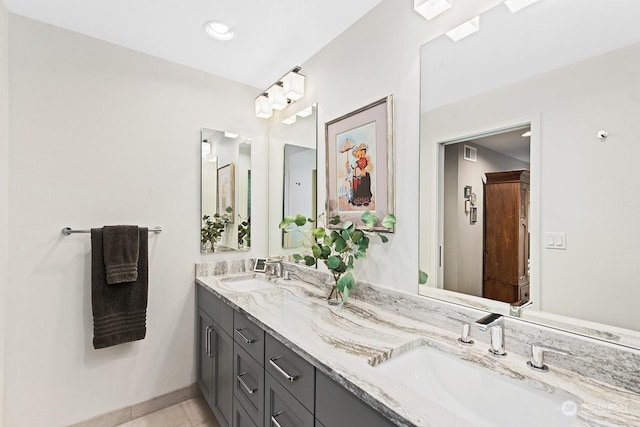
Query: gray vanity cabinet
<point>215,355</point>
<point>251,379</point>
<point>337,407</point>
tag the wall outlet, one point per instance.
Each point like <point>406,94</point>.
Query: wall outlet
<point>555,240</point>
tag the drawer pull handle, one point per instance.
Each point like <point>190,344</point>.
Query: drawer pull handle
<point>247,340</point>
<point>274,420</point>
<point>207,341</point>
<point>246,387</point>
<point>284,373</point>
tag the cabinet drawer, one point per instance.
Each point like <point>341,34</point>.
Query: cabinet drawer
<point>248,386</point>
<point>282,409</point>
<point>249,335</point>
<point>221,313</point>
<point>240,417</point>
<point>293,372</point>
<point>338,407</point>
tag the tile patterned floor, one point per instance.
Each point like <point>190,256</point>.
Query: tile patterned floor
<point>191,413</point>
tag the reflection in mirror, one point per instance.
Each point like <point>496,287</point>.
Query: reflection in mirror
<point>293,170</point>
<point>299,189</point>
<point>569,85</point>
<point>225,191</point>
<point>485,239</point>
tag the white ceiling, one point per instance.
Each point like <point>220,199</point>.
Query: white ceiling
<point>272,36</point>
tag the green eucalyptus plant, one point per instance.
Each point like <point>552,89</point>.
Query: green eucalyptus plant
<point>244,231</point>
<point>213,228</point>
<point>337,248</point>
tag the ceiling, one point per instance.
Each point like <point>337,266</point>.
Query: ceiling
<point>510,143</point>
<point>272,36</point>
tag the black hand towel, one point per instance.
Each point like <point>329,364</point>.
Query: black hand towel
<point>120,310</point>
<point>120,244</point>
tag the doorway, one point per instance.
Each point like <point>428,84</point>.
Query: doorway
<point>465,163</point>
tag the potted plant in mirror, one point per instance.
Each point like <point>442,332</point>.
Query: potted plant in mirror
<point>244,232</point>
<point>213,228</point>
<point>339,248</point>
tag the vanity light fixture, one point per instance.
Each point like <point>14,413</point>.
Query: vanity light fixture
<point>293,85</point>
<point>277,100</point>
<point>289,88</point>
<point>516,5</point>
<point>290,120</point>
<point>429,9</point>
<point>263,111</point>
<point>231,135</point>
<point>218,30</point>
<point>306,112</point>
<point>206,148</point>
<point>465,29</point>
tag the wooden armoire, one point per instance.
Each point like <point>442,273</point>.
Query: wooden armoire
<point>506,236</point>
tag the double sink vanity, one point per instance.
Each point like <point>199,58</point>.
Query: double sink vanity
<point>272,352</point>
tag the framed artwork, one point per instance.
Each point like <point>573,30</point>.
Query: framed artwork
<point>226,189</point>
<point>360,163</point>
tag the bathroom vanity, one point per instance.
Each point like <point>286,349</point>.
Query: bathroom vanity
<point>298,361</point>
<point>249,378</point>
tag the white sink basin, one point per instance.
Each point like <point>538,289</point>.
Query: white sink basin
<point>483,397</point>
<point>247,285</point>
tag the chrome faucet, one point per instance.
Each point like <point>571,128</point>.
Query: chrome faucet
<point>537,356</point>
<point>516,308</point>
<point>275,267</point>
<point>465,333</point>
<point>287,274</point>
<point>494,323</point>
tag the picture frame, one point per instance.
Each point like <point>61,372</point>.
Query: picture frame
<point>360,162</point>
<point>226,189</point>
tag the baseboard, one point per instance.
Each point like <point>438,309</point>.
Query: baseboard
<point>123,415</point>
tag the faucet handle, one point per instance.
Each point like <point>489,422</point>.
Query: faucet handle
<point>537,360</point>
<point>465,334</point>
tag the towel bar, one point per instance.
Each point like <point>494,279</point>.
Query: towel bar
<point>66,231</point>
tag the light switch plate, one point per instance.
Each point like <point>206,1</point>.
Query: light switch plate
<point>555,240</point>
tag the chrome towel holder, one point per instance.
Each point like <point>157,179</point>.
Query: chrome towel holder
<point>67,230</point>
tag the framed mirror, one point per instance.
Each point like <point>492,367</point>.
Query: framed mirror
<point>292,176</point>
<point>571,242</point>
<point>225,191</point>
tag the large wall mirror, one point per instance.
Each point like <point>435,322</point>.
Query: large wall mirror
<point>225,191</point>
<point>292,176</point>
<point>528,156</point>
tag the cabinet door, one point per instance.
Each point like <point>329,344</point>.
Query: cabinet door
<point>281,409</point>
<point>223,379</point>
<point>205,355</point>
<point>338,407</point>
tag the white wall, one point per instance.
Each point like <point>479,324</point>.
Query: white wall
<point>586,184</point>
<point>4,188</point>
<point>378,56</point>
<point>104,135</point>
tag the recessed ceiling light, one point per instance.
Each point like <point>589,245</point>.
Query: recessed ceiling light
<point>218,30</point>
<point>465,29</point>
<point>231,135</point>
<point>526,134</point>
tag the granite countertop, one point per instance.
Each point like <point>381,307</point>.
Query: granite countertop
<point>347,342</point>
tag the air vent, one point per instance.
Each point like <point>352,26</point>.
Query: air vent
<point>470,153</point>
